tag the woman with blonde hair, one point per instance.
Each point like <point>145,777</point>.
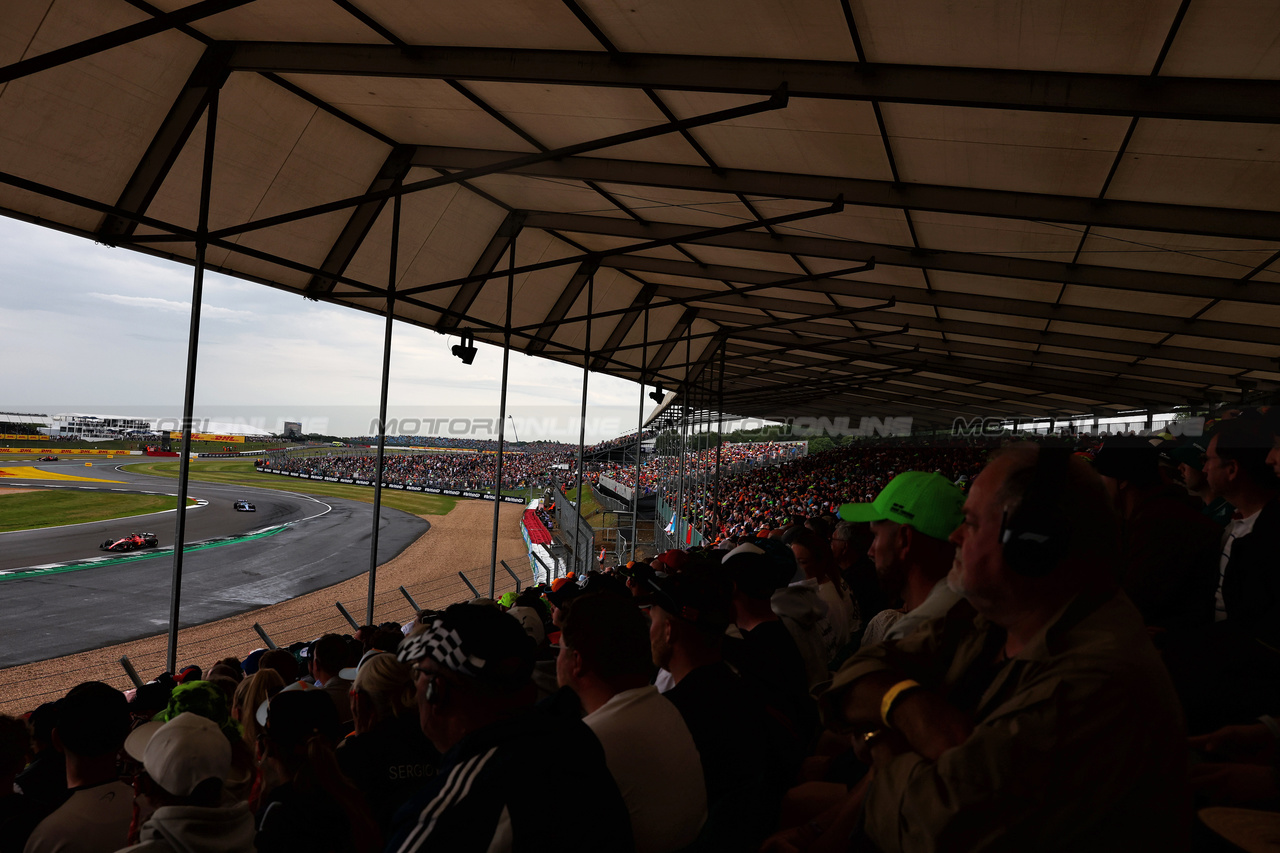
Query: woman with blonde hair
<point>388,758</point>
<point>250,693</point>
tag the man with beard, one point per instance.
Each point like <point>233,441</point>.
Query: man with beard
<point>1046,722</point>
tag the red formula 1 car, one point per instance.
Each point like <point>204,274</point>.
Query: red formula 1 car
<point>48,459</point>
<point>132,542</point>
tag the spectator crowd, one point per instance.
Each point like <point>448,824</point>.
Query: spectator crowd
<point>889,648</point>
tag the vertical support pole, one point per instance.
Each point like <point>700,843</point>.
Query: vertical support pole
<point>382,407</point>
<point>189,391</point>
<point>502,415</point>
<point>684,436</point>
<point>579,559</point>
<point>635,489</point>
<point>719,430</point>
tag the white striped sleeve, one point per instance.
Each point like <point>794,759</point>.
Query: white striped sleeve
<point>454,790</point>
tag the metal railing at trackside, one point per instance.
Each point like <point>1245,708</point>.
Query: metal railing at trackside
<point>390,605</point>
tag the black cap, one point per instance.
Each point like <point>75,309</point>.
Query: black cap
<point>700,596</point>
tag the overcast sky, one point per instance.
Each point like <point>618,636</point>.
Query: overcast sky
<point>99,330</point>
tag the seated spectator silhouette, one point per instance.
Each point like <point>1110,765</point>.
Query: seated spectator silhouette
<point>388,758</point>
<point>283,662</point>
<point>911,520</point>
<point>249,695</point>
<point>185,761</point>
<point>1190,460</point>
<point>475,704</point>
<point>43,782</point>
<point>766,655</point>
<point>748,756</point>
<point>849,543</point>
<point>17,816</point>
<point>1048,722</point>
<point>303,802</point>
<point>604,657</point>
<point>1168,552</point>
<point>209,701</point>
<point>90,725</point>
<point>327,659</point>
<point>815,560</point>
<point>803,612</point>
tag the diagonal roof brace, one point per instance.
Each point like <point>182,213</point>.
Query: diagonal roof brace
<point>703,234</point>
<point>556,315</point>
<point>776,101</point>
<point>735,331</point>
<point>619,262</point>
<point>502,237</point>
<point>393,171</point>
<point>167,143</point>
<point>117,38</point>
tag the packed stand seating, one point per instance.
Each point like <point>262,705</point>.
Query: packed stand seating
<point>1015,685</point>
<point>486,445</point>
<point>441,470</point>
<point>774,496</point>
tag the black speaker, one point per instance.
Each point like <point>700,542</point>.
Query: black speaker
<point>1034,534</point>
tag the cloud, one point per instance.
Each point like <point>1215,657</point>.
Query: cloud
<point>155,303</point>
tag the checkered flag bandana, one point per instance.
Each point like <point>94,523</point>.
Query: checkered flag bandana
<point>444,646</point>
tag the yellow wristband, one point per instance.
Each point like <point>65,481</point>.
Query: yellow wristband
<point>892,695</point>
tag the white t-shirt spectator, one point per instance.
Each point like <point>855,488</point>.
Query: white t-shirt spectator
<point>653,759</point>
<point>93,820</point>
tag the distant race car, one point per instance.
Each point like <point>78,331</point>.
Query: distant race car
<point>132,542</point>
<point>245,506</point>
<point>48,459</point>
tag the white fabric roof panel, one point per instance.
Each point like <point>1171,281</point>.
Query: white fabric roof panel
<point>971,154</point>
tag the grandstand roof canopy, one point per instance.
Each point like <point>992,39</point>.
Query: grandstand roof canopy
<point>860,206</point>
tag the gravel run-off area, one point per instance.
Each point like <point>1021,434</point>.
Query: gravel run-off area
<point>460,540</point>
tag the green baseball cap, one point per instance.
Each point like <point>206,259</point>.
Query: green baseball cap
<point>930,503</point>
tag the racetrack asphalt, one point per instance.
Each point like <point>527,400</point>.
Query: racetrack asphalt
<point>315,542</point>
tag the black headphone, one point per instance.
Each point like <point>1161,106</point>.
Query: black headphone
<point>1034,534</point>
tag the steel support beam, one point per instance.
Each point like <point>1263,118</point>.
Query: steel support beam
<point>1167,377</point>
<point>117,38</point>
<point>966,201</point>
<point>206,79</point>
<point>623,328</point>
<point>1048,311</point>
<point>675,334</point>
<point>393,171</point>
<point>657,243</point>
<point>564,302</point>
<point>484,265</point>
<point>776,101</point>
<point>1148,281</point>
<point>1192,98</point>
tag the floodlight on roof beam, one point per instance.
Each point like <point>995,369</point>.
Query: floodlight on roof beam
<point>693,237</point>
<point>776,101</point>
<point>465,349</point>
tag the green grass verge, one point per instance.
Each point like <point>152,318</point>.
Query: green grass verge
<point>53,507</point>
<point>591,509</point>
<point>240,472</point>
